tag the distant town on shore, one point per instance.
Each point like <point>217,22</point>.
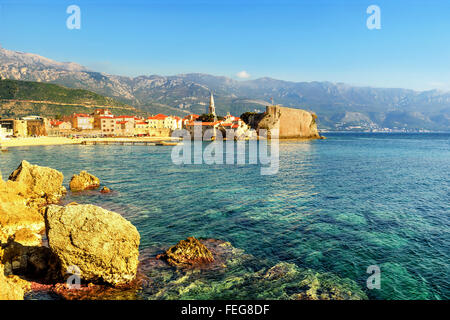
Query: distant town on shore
<point>103,123</point>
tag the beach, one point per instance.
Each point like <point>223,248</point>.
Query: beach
<point>53,141</point>
<point>38,141</point>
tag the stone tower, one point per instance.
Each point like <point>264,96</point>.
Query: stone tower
<point>212,107</point>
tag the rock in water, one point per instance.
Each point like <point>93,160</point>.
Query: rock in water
<point>84,181</point>
<point>105,190</point>
<point>36,182</point>
<point>102,244</point>
<point>186,253</point>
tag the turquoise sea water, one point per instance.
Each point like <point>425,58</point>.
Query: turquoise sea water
<point>336,205</point>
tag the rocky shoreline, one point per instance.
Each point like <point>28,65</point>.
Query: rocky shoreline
<point>82,251</point>
<point>84,243</point>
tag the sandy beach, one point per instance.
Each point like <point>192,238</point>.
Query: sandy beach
<point>47,141</point>
<point>39,141</point>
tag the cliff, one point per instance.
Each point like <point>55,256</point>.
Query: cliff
<point>292,123</point>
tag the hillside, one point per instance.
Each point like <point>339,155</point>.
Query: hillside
<point>20,98</point>
<point>338,106</point>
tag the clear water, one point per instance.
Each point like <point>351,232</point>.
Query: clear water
<point>336,205</point>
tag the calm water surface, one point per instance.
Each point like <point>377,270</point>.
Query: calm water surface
<point>336,205</point>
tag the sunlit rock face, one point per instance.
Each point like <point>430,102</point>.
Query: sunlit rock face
<point>29,188</point>
<point>41,185</point>
<point>291,123</point>
<point>84,181</point>
<point>100,243</point>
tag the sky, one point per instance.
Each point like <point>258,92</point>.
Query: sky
<point>295,40</point>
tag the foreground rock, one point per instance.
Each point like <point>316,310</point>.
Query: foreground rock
<point>101,243</point>
<point>84,181</point>
<point>29,188</point>
<point>186,253</point>
<point>19,221</point>
<point>42,184</point>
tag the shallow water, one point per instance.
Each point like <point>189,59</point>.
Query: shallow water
<point>336,205</point>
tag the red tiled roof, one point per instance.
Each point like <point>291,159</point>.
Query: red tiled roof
<point>55,123</point>
<point>125,117</point>
<point>80,115</point>
<point>158,117</point>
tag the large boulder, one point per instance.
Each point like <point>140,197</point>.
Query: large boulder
<point>38,183</point>
<point>29,187</point>
<point>84,181</point>
<point>100,243</point>
<point>187,253</point>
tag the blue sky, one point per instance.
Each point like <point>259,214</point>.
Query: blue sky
<point>314,40</point>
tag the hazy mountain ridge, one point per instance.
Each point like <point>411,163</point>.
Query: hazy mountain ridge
<point>338,105</point>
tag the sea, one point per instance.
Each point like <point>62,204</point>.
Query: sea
<point>338,205</point>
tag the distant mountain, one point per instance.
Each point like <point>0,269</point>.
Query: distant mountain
<point>338,106</point>
<point>21,98</point>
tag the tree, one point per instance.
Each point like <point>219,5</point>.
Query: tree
<point>208,117</point>
<point>246,116</point>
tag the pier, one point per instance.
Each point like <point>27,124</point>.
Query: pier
<point>131,142</point>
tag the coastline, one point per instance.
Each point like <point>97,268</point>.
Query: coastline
<point>40,141</point>
<point>53,141</point>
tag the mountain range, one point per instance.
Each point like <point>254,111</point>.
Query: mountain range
<point>338,106</point>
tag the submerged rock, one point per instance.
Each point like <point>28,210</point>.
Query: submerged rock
<point>84,181</point>
<point>100,243</point>
<point>189,252</point>
<point>242,276</point>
